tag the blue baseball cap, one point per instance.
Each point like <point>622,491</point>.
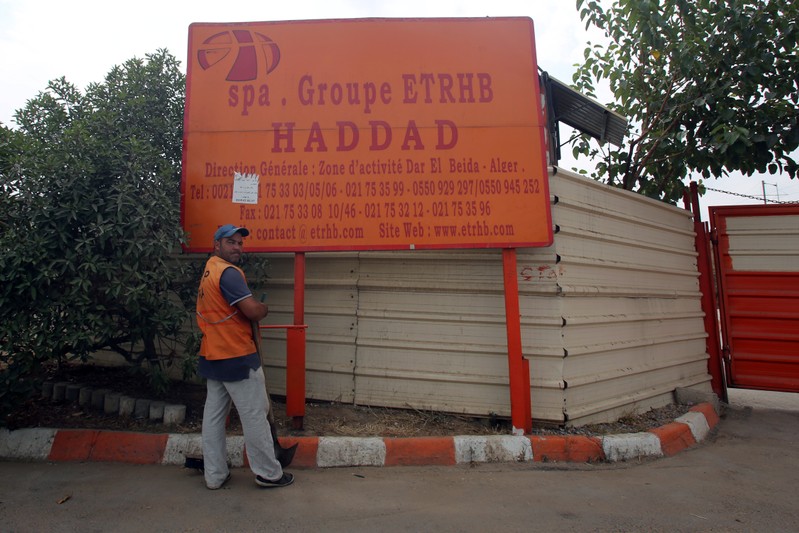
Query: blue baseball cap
<point>228,230</point>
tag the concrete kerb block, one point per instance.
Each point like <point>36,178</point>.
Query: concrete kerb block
<point>685,396</point>
<point>28,444</point>
<point>141,408</point>
<point>85,396</point>
<point>47,389</point>
<point>111,403</point>
<point>126,406</point>
<point>235,451</point>
<point>179,446</point>
<point>493,449</point>
<point>350,451</point>
<point>157,410</point>
<point>98,399</point>
<point>174,414</point>
<point>697,423</point>
<point>631,446</point>
<point>59,391</point>
<point>73,392</point>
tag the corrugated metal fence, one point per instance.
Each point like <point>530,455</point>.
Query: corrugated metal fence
<point>611,317</point>
<point>758,263</point>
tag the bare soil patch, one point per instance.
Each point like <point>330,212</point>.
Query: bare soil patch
<point>321,418</point>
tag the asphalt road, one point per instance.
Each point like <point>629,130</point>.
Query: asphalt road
<point>743,478</point>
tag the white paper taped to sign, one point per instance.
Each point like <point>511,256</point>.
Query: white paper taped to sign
<point>245,188</point>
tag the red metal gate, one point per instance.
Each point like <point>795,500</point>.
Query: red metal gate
<point>757,263</point>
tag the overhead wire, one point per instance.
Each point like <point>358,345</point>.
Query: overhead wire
<point>759,198</point>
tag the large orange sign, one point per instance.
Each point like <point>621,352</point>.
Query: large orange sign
<point>365,134</point>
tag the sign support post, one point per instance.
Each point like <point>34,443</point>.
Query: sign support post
<point>295,348</point>
<point>518,366</point>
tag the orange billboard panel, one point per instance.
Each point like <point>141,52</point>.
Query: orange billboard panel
<point>365,135</point>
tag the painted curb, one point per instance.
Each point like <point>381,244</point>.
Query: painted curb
<point>55,445</point>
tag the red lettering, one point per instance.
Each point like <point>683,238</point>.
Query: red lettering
<point>486,92</point>
<point>315,136</point>
<point>343,146</point>
<point>412,135</point>
<point>288,136</point>
<point>378,125</point>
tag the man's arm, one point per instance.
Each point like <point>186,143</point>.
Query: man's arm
<point>237,293</point>
<point>252,309</point>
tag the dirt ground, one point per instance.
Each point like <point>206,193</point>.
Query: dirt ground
<point>321,418</point>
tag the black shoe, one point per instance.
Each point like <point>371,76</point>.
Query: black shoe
<point>195,463</point>
<point>285,480</point>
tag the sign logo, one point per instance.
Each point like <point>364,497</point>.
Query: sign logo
<point>249,45</point>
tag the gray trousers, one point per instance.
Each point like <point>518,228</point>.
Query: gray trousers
<point>252,404</point>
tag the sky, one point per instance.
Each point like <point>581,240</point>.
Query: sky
<point>82,40</point>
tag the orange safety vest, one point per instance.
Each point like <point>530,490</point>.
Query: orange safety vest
<point>226,331</point>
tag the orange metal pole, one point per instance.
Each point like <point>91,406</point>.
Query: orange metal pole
<point>295,346</point>
<point>518,367</point>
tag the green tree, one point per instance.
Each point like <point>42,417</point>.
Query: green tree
<point>90,224</point>
<point>709,87</point>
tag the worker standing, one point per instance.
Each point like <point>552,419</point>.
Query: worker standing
<point>230,363</point>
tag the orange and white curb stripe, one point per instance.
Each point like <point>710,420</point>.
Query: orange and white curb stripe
<point>84,445</point>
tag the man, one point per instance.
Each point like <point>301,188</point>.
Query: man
<point>230,363</point>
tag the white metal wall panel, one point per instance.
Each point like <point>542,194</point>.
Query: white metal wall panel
<point>540,306</point>
<point>632,317</point>
<point>330,312</point>
<point>610,313</point>
<point>431,331</point>
<point>764,243</point>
